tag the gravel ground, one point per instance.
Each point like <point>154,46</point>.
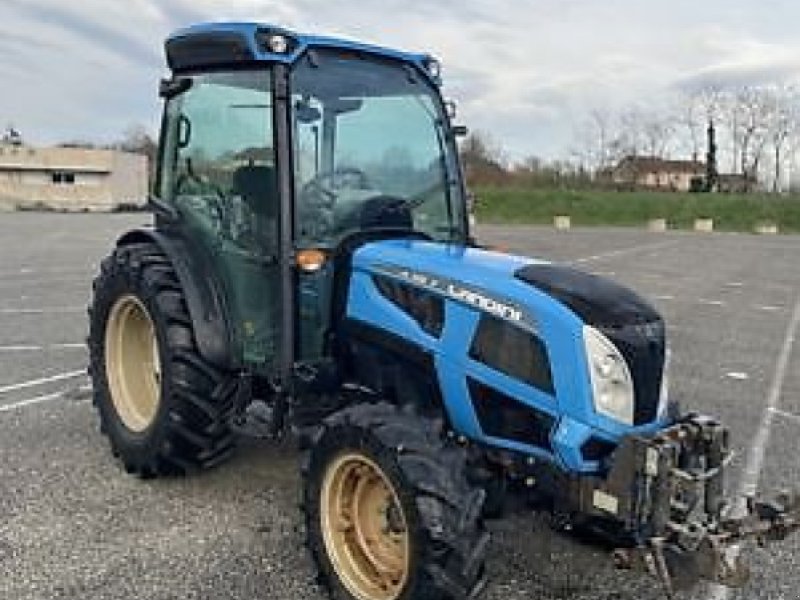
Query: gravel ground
<point>73,525</point>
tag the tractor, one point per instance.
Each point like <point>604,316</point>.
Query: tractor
<point>310,273</point>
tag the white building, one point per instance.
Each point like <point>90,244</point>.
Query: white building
<point>70,179</point>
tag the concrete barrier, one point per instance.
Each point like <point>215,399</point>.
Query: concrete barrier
<point>562,222</point>
<point>767,229</point>
<point>657,225</point>
<point>704,225</point>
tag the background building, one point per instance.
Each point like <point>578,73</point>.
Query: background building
<point>72,179</point>
<point>657,173</point>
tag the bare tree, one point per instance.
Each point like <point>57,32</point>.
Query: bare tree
<point>698,107</point>
<point>592,147</point>
<point>782,126</point>
<point>137,139</point>
<point>630,139</point>
<point>753,108</point>
<point>658,130</point>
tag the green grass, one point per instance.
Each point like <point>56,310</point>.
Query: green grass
<point>731,212</point>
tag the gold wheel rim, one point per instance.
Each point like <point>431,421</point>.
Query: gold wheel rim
<point>364,528</point>
<point>133,367</point>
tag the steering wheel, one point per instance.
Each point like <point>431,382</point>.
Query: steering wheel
<point>324,185</point>
<point>318,198</point>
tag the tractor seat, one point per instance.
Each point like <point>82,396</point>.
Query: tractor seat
<point>258,186</point>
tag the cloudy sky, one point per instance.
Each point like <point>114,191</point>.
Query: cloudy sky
<point>526,70</point>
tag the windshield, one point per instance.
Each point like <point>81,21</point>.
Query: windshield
<point>371,151</point>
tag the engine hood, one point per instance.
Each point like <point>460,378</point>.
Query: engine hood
<point>594,300</point>
<point>599,302</point>
<point>460,262</point>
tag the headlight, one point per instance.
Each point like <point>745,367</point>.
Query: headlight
<point>612,385</point>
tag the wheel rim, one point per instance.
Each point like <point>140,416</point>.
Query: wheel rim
<point>364,528</point>
<point>133,367</point>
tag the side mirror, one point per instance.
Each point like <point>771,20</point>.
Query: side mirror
<point>169,88</point>
<point>459,130</point>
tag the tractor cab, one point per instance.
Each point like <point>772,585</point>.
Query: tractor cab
<point>276,147</point>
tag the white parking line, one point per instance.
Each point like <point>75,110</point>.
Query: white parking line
<point>707,302</point>
<point>36,348</point>
<point>41,311</point>
<point>7,283</point>
<point>28,273</point>
<point>622,251</point>
<point>41,381</point>
<point>30,402</point>
<point>739,375</point>
<point>769,308</point>
<point>755,458</point>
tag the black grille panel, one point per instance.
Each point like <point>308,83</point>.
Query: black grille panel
<point>513,351</point>
<point>425,308</point>
<point>643,347</point>
<point>504,417</point>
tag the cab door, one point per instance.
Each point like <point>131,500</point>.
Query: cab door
<point>218,170</point>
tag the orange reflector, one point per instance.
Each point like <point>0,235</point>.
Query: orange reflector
<point>310,260</point>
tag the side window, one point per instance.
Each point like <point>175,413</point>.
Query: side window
<point>512,351</point>
<point>222,173</point>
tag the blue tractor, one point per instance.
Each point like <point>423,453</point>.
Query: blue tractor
<point>310,270</point>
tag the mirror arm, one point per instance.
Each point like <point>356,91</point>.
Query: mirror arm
<point>163,209</point>
<point>169,88</point>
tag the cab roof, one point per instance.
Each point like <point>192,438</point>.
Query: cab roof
<point>221,45</point>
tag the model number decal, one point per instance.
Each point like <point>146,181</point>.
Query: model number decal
<point>459,292</point>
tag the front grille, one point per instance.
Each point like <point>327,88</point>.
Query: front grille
<point>643,346</point>
<point>502,416</point>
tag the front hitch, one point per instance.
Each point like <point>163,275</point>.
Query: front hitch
<point>712,553</point>
<point>666,492</point>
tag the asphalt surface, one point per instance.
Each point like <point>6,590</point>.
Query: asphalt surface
<point>73,525</point>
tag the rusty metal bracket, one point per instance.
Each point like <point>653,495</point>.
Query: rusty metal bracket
<point>695,553</point>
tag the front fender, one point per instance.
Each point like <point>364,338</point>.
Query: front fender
<point>203,294</point>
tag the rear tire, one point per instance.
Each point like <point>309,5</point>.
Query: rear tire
<point>164,409</point>
<point>428,542</point>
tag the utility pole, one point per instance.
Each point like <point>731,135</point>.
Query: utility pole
<point>712,173</point>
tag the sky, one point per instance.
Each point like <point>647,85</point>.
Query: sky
<point>527,72</point>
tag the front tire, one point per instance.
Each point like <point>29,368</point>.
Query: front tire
<point>164,409</point>
<point>389,512</point>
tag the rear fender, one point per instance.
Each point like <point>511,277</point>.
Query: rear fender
<point>203,293</point>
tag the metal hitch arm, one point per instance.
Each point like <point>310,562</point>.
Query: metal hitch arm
<point>684,532</point>
<point>712,555</point>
